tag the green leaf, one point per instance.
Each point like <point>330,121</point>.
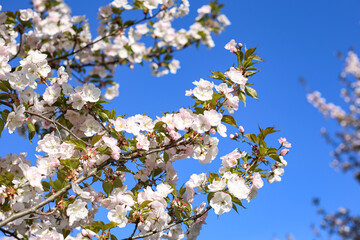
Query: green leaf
<point>112,237</point>
<point>95,139</point>
<point>249,52</point>
<point>256,57</point>
<point>251,92</point>
<point>80,145</point>
<point>166,157</point>
<point>3,87</point>
<point>108,187</point>
<point>229,120</point>
<point>275,157</point>
<point>210,196</point>
<point>45,185</point>
<point>2,125</point>
<point>242,97</point>
<point>271,150</point>
<point>31,129</point>
<point>218,75</point>
<point>235,208</point>
<point>251,137</point>
<point>4,96</point>
<point>109,225</point>
<point>145,203</point>
<point>128,23</point>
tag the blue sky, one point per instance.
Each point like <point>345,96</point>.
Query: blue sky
<point>297,39</point>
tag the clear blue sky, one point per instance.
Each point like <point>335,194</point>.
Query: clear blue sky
<point>296,38</point>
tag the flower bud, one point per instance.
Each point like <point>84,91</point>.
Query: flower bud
<point>241,129</point>
<point>284,152</point>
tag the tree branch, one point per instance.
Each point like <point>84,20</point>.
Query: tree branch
<point>58,124</point>
<point>9,234</point>
<point>171,225</point>
<point>102,38</point>
<point>78,181</point>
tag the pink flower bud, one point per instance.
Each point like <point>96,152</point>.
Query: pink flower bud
<point>236,135</point>
<point>72,197</point>
<point>284,152</point>
<point>212,131</point>
<point>232,136</point>
<point>241,129</point>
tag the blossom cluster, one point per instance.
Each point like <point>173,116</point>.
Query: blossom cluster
<point>346,154</point>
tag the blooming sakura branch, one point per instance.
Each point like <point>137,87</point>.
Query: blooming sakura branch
<point>91,159</point>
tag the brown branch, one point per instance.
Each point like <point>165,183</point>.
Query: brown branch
<point>78,181</point>
<point>102,38</point>
<point>171,225</point>
<point>52,198</point>
<point>6,104</point>
<point>9,234</point>
<point>58,124</point>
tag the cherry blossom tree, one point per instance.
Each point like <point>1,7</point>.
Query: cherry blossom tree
<point>347,140</point>
<point>343,223</point>
<point>55,78</point>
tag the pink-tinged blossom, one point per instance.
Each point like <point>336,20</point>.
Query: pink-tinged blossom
<point>207,152</point>
<point>223,88</point>
<point>77,101</point>
<point>77,211</point>
<point>217,185</point>
<point>231,160</point>
<point>121,4</point>
<point>206,9</point>
<point>257,181</point>
<point>89,92</point>
<point>238,187</point>
<point>237,77</point>
<point>26,14</point>
<point>231,103</point>
<point>213,117</point>
<point>91,127</point>
<point>51,94</point>
<point>88,233</point>
<point>174,66</point>
<point>163,189</point>
<point>142,142</point>
<point>221,129</point>
<point>203,90</point>
<point>119,124</point>
<point>241,129</point>
<point>223,20</point>
<point>33,175</point>
<point>15,119</point>
<point>231,46</point>
<point>284,152</point>
<point>112,92</point>
<point>195,181</point>
<point>221,203</point>
<point>49,144</point>
<point>284,142</point>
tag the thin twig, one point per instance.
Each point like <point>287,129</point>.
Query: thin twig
<point>79,180</point>
<point>58,124</point>
<point>8,233</point>
<point>100,39</point>
<point>6,104</point>
<point>171,225</point>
